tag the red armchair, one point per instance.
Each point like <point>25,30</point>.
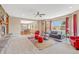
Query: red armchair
<point>40,39</point>
<point>37,34</point>
<point>75,41</point>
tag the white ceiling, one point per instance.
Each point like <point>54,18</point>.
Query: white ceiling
<point>29,10</point>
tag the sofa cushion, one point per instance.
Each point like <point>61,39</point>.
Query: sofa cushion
<point>53,32</point>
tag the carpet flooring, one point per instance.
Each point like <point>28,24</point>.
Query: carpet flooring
<point>45,44</point>
<point>2,43</point>
<point>22,45</point>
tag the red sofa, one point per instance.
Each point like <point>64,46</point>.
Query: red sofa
<point>75,41</point>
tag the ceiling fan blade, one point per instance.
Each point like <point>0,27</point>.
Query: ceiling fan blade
<point>37,14</point>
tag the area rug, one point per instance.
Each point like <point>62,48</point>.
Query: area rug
<point>41,46</point>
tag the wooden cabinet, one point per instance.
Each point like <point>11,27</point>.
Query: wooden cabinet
<point>4,25</point>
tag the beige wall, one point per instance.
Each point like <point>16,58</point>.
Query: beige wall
<point>71,22</point>
<point>71,25</point>
<point>14,26</point>
<point>78,23</point>
<point>34,26</point>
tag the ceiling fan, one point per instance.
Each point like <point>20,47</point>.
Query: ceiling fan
<point>40,14</point>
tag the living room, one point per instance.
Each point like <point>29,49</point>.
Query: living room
<point>37,32</point>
